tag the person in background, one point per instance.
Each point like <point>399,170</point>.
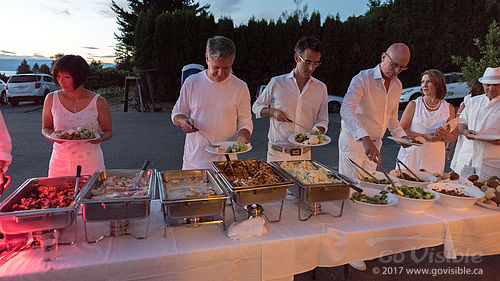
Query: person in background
<point>370,106</point>
<point>5,153</point>
<point>463,145</point>
<point>481,115</point>
<point>295,96</point>
<point>213,104</point>
<point>70,108</point>
<point>426,117</point>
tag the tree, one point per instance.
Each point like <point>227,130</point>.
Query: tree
<point>36,68</point>
<point>55,58</point>
<point>490,51</point>
<point>45,69</point>
<point>24,67</point>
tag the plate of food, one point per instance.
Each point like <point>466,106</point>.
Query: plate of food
<point>416,199</point>
<point>486,136</point>
<point>417,141</point>
<point>373,202</point>
<point>312,138</point>
<point>80,134</point>
<point>228,147</point>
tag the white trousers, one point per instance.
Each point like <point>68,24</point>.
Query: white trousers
<point>350,148</point>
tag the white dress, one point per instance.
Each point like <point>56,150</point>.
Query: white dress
<point>66,156</point>
<point>431,155</point>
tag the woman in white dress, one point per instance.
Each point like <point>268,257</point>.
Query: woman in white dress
<point>426,117</point>
<point>69,108</point>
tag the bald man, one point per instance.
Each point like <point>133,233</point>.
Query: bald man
<point>370,106</point>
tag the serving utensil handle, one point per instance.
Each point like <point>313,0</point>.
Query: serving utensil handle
<point>404,165</point>
<point>347,181</point>
<point>77,180</point>
<point>357,167</point>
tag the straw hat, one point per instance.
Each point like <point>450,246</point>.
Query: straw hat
<point>491,76</point>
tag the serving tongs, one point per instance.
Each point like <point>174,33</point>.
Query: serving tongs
<point>291,121</point>
<point>408,169</point>
<point>139,176</point>
<point>346,180</point>
<point>394,187</point>
<point>77,180</point>
<point>203,136</point>
<point>358,168</point>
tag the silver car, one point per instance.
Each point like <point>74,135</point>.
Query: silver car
<point>29,87</point>
<point>456,89</point>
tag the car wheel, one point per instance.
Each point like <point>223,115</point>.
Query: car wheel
<point>3,98</point>
<point>333,107</point>
<point>14,102</point>
<point>415,96</point>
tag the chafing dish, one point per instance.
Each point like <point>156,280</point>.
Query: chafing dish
<point>312,194</point>
<point>185,195</point>
<point>257,193</point>
<point>16,222</point>
<point>116,210</point>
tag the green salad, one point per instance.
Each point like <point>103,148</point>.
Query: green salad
<point>237,147</point>
<point>377,181</point>
<point>415,192</point>
<point>379,199</point>
<point>85,133</point>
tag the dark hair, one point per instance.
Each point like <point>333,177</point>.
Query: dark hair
<point>476,88</point>
<point>437,78</point>
<point>75,66</point>
<point>308,42</point>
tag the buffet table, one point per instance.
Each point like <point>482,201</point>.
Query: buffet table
<point>290,246</point>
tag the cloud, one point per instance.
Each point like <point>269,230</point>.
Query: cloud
<point>91,48</point>
<point>107,56</point>
<point>39,56</point>
<point>5,52</point>
<point>63,12</point>
<point>107,13</point>
<point>224,7</point>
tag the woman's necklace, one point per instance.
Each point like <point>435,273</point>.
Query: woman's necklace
<point>431,107</point>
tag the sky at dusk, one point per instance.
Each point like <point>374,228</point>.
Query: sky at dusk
<point>39,29</point>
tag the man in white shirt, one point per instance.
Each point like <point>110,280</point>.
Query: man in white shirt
<point>294,97</point>
<point>370,106</point>
<point>213,104</point>
<point>478,122</point>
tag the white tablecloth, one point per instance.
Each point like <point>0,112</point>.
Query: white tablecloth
<point>290,246</point>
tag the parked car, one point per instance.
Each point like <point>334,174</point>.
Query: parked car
<point>456,88</point>
<point>334,102</point>
<point>3,92</point>
<point>29,87</point>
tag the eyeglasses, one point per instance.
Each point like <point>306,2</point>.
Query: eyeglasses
<point>396,65</point>
<point>308,62</point>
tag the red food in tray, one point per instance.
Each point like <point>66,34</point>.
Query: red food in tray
<point>46,197</point>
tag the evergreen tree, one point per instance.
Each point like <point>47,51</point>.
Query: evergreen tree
<point>24,67</point>
<point>45,69</point>
<point>36,68</point>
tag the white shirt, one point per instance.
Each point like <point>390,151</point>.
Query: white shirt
<point>481,115</point>
<point>368,109</point>
<point>219,110</point>
<point>5,144</point>
<point>308,108</point>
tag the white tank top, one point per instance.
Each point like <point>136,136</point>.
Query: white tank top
<point>425,121</point>
<point>65,120</point>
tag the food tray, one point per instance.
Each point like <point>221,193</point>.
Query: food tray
<point>257,193</point>
<point>311,193</point>
<point>122,208</point>
<point>16,222</point>
<point>174,184</point>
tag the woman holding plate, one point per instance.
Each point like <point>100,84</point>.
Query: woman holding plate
<point>71,108</point>
<point>426,117</point>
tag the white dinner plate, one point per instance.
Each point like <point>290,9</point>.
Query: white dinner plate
<point>404,141</point>
<point>53,137</point>
<point>224,145</point>
<point>484,136</point>
<point>291,139</point>
<point>453,124</point>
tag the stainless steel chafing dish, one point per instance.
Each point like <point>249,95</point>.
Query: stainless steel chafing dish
<point>119,209</point>
<point>184,195</point>
<point>254,194</point>
<point>16,222</point>
<point>312,194</point>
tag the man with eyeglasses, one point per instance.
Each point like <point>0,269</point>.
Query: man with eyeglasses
<point>214,105</point>
<point>370,106</point>
<point>294,102</point>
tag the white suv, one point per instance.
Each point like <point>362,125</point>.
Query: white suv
<point>29,87</point>
<point>3,92</point>
<point>456,89</point>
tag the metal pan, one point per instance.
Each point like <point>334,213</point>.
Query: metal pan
<point>16,222</point>
<point>174,186</point>
<point>122,208</point>
<point>312,193</point>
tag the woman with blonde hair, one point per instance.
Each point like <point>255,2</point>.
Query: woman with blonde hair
<point>425,117</point>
